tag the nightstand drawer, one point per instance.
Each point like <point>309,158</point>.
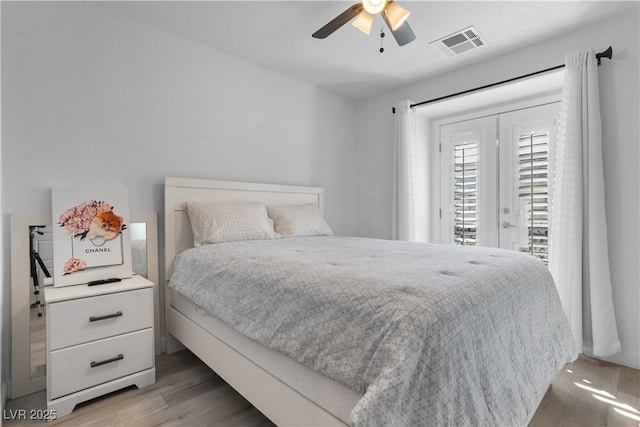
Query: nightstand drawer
<point>88,319</point>
<point>86,365</point>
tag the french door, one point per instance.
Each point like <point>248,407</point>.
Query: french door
<point>494,180</point>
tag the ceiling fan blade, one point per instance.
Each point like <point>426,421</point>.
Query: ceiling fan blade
<point>338,21</point>
<point>403,34</point>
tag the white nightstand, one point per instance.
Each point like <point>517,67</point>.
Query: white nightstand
<point>99,339</point>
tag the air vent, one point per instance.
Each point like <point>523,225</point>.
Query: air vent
<point>460,41</point>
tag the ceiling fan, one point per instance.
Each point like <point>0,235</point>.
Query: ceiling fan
<point>393,15</point>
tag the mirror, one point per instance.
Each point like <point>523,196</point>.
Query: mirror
<point>22,380</point>
<point>40,269</point>
<point>31,264</point>
<point>144,259</point>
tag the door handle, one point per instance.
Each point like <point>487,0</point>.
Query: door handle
<point>506,224</point>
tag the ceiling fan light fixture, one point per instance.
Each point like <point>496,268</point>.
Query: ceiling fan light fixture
<point>374,6</point>
<point>364,21</point>
<point>396,15</point>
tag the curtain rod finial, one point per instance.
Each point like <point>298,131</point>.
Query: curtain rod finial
<point>606,54</point>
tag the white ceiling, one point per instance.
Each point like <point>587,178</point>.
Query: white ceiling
<point>277,35</point>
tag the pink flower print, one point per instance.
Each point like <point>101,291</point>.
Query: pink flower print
<point>77,219</point>
<point>73,265</point>
<point>102,207</point>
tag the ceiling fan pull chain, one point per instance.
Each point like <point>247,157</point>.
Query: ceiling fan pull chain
<point>382,34</point>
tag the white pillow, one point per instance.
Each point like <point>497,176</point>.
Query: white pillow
<point>298,220</point>
<point>226,222</point>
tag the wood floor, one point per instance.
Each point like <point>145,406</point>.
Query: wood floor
<point>187,393</point>
<point>591,392</point>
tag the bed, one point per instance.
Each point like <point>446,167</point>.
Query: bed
<point>475,348</point>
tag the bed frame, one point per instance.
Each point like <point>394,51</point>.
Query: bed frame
<point>279,402</point>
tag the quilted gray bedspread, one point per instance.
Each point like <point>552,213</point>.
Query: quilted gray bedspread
<point>431,335</point>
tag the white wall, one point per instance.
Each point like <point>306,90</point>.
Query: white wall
<point>3,333</point>
<point>92,97</point>
<point>619,94</point>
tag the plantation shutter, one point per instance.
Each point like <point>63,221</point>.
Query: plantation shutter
<point>533,191</point>
<point>465,200</point>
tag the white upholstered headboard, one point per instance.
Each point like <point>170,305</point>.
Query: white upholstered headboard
<point>177,229</point>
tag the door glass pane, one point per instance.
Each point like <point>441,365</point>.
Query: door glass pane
<point>533,192</point>
<point>465,200</point>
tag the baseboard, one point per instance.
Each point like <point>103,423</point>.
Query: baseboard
<point>5,388</point>
<point>172,345</point>
<point>163,344</point>
<point>626,358</point>
<point>160,345</point>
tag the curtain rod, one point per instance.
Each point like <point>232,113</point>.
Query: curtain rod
<point>608,53</point>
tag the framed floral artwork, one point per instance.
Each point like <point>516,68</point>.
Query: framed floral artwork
<point>91,239</point>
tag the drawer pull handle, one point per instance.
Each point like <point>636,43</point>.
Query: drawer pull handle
<point>108,316</point>
<point>104,362</point>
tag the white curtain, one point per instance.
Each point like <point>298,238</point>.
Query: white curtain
<point>409,186</point>
<point>578,257</point>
